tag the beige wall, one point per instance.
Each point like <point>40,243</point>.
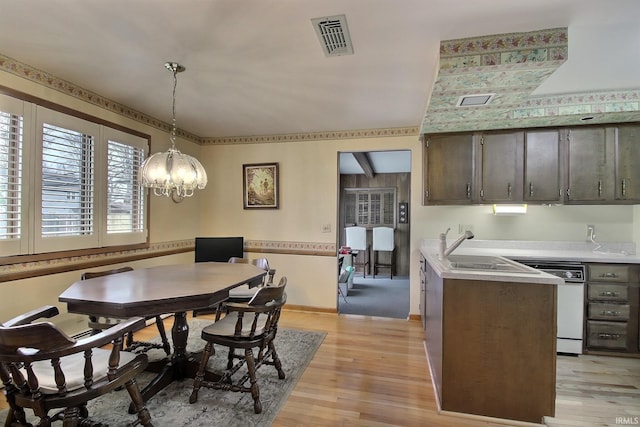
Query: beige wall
<point>308,200</point>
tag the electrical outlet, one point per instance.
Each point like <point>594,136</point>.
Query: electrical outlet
<point>326,228</point>
<point>464,227</point>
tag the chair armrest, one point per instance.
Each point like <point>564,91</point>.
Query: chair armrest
<point>46,311</point>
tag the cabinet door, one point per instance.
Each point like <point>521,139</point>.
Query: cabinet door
<point>627,182</point>
<point>542,173</point>
<point>448,169</point>
<point>590,154</point>
<point>502,161</point>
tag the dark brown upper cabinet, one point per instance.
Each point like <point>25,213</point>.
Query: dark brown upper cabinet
<point>501,167</point>
<point>542,167</point>
<point>449,169</point>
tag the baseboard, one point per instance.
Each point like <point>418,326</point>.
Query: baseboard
<point>293,307</point>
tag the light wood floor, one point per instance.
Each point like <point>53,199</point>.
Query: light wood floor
<point>373,372</point>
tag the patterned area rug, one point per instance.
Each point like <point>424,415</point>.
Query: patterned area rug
<point>171,408</point>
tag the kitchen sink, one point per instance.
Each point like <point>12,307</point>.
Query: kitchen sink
<point>487,263</point>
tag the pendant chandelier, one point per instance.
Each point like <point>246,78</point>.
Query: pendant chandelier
<point>173,174</point>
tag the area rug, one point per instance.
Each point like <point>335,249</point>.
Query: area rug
<point>171,408</point>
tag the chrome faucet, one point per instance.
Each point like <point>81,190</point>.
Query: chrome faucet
<point>445,251</point>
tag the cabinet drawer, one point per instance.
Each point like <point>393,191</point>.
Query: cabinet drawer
<point>607,292</point>
<point>609,311</point>
<point>608,273</point>
<point>607,335</point>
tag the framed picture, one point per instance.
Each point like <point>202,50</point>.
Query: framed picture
<point>260,185</point>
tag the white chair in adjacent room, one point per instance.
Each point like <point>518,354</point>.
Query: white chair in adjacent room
<point>383,242</point>
<point>356,239</point>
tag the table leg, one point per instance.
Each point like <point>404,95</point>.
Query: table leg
<point>174,368</point>
<point>181,365</point>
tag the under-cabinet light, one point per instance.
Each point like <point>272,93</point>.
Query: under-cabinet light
<point>509,209</point>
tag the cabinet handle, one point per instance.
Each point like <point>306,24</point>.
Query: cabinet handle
<point>609,275</point>
<point>609,294</point>
<point>508,190</point>
<point>610,313</point>
<point>604,336</point>
<point>468,190</point>
<point>624,188</point>
<point>531,189</point>
<point>599,188</point>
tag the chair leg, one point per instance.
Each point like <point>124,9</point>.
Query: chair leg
<point>136,397</point>
<point>276,360</point>
<point>251,370</point>
<point>231,356</point>
<point>163,335</point>
<point>197,381</point>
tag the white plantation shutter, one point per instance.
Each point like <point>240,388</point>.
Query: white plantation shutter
<point>125,199</point>
<point>67,182</point>
<point>10,175</point>
<point>125,219</point>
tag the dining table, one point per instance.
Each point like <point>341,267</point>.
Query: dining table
<point>166,289</point>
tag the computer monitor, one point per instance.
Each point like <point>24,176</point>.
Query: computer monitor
<point>218,249</point>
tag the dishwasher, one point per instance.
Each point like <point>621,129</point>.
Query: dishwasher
<point>570,303</point>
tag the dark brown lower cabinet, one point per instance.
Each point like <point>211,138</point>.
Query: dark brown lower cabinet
<point>611,309</point>
<point>492,346</point>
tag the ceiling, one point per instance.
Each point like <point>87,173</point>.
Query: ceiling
<point>256,67</point>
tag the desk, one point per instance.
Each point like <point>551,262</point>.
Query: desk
<point>160,290</point>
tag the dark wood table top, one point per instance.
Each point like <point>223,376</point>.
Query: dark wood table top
<point>158,290</point>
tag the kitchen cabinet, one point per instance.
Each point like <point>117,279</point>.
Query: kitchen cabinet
<point>501,167</point>
<point>542,166</point>
<point>612,309</point>
<point>491,346</point>
<point>449,169</point>
<point>627,163</point>
<point>590,156</point>
<point>596,164</point>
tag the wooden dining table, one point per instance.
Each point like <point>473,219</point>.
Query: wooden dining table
<point>165,289</point>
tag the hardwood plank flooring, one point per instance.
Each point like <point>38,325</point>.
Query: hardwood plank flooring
<point>373,371</point>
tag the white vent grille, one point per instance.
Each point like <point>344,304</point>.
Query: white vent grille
<point>333,34</point>
<point>475,100</point>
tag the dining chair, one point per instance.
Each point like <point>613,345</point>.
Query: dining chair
<point>356,239</point>
<point>43,369</point>
<point>245,326</point>
<point>383,241</point>
<point>245,291</point>
<point>99,323</point>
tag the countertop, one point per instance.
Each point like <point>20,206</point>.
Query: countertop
<point>527,251</point>
<point>443,269</point>
<point>540,250</point>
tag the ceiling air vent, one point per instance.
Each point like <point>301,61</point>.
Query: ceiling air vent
<point>475,100</point>
<point>333,34</point>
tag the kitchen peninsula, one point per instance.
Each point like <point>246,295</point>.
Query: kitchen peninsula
<point>490,328</point>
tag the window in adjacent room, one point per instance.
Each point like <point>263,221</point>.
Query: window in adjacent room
<point>370,207</point>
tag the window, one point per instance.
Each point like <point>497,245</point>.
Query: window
<point>369,207</point>
<point>78,178</point>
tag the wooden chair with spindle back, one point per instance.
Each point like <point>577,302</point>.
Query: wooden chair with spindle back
<point>99,323</point>
<point>43,369</point>
<point>245,326</point>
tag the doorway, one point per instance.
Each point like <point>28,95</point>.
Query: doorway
<point>374,191</point>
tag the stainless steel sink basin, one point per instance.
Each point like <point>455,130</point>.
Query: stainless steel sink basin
<point>487,263</point>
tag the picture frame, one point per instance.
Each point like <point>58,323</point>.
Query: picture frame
<point>260,186</point>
